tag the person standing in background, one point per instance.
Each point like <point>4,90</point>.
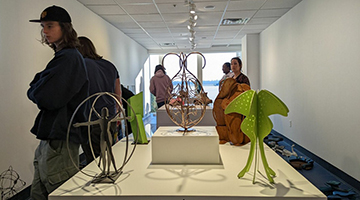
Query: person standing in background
<point>236,66</point>
<point>57,91</point>
<point>226,68</point>
<point>103,77</point>
<point>160,85</point>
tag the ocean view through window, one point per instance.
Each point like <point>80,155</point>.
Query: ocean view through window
<point>211,74</point>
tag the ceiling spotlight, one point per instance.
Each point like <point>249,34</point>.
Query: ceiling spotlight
<point>192,8</point>
<point>193,18</point>
<point>192,23</point>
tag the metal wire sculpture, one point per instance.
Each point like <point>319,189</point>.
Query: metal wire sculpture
<point>106,158</point>
<point>10,183</point>
<point>186,104</point>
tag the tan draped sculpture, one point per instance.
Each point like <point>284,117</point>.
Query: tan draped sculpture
<point>228,125</point>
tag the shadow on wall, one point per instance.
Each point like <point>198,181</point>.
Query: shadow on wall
<point>278,120</point>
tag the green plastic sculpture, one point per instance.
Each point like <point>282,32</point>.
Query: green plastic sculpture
<point>257,106</point>
<point>136,122</point>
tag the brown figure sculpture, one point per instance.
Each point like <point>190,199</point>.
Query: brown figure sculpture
<point>228,125</point>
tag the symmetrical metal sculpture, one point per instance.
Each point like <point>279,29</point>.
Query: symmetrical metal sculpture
<point>186,105</point>
<point>257,106</point>
<point>106,158</point>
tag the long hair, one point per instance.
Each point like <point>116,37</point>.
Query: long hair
<point>68,40</point>
<point>87,48</point>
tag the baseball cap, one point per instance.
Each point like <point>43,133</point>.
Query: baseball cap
<point>53,13</point>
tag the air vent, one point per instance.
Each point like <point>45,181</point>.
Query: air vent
<point>219,45</point>
<point>167,44</point>
<point>235,45</point>
<point>211,7</point>
<point>234,21</point>
<point>225,45</point>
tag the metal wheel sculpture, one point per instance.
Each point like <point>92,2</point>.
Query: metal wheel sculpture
<point>106,160</point>
<point>186,103</point>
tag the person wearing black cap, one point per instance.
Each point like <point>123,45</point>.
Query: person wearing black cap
<point>57,91</point>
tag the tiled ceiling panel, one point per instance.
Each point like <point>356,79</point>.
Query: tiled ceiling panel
<point>156,23</point>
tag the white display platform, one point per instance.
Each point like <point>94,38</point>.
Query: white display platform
<point>143,180</point>
<point>169,146</point>
<point>163,119</point>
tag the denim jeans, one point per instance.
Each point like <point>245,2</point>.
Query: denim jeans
<point>53,166</point>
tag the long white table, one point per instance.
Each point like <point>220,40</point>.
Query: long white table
<point>163,119</point>
<point>143,180</point>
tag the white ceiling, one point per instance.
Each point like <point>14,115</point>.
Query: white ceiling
<point>155,23</point>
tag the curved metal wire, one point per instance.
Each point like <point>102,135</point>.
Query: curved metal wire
<point>187,99</point>
<point>89,122</point>
<point>10,183</point>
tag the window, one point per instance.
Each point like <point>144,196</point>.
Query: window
<point>212,73</point>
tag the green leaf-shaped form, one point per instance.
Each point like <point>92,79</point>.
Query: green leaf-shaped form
<point>257,125</point>
<point>271,104</point>
<point>245,104</point>
<point>242,104</point>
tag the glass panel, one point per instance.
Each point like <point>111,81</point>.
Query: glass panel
<point>139,82</point>
<point>154,60</point>
<point>171,63</point>
<point>147,102</point>
<point>192,64</point>
<point>212,73</point>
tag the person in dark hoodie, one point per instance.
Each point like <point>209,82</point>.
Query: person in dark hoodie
<point>57,91</point>
<point>103,77</point>
<point>160,85</point>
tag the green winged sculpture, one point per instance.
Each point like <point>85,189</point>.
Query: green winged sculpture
<point>257,106</point>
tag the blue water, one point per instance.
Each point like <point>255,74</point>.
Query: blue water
<point>212,91</point>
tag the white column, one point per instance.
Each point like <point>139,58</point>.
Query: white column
<point>199,68</point>
<point>251,59</point>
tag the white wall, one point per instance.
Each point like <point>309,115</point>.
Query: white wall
<point>250,49</point>
<point>310,59</point>
<point>22,55</point>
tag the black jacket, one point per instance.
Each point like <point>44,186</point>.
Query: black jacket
<point>57,91</point>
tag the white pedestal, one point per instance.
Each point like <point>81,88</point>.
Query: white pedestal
<point>200,182</point>
<point>199,147</point>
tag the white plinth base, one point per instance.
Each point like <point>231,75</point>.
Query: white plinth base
<point>199,147</point>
